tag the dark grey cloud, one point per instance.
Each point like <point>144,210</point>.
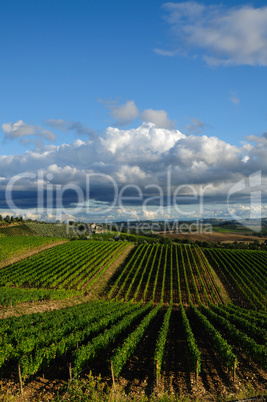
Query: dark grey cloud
<point>195,126</point>
<point>76,126</point>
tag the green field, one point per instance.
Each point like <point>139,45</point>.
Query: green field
<point>233,229</point>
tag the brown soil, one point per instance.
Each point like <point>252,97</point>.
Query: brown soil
<point>41,306</point>
<point>30,253</point>
<point>5,224</point>
<point>210,277</point>
<point>215,379</point>
<point>138,373</point>
<point>176,369</point>
<point>100,284</point>
<point>213,237</point>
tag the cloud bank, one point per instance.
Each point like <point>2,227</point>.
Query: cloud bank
<point>147,163</point>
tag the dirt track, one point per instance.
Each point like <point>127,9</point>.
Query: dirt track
<point>214,237</point>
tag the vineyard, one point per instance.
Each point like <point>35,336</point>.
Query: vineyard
<point>163,320</point>
<point>69,269</point>
<point>17,230</point>
<point>244,275</point>
<point>165,274</point>
<point>37,229</point>
<point>11,246</point>
<point>49,229</point>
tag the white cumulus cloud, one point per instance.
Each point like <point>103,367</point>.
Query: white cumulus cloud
<point>158,117</point>
<point>234,35</point>
<point>123,114</point>
<point>139,157</point>
<point>19,129</point>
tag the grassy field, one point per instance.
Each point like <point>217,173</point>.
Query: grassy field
<point>238,229</point>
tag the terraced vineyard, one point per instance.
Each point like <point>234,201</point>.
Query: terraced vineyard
<point>162,320</point>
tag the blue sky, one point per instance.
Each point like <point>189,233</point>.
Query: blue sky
<point>79,79</point>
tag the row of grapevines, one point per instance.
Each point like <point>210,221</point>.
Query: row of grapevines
<point>52,268</point>
<point>20,335</point>
<point>257,352</point>
<point>257,317</point>
<point>34,349</point>
<point>228,274</point>
<point>249,268</point>
<point>200,276</point>
<point>51,229</point>
<point>171,274</point>
<point>123,352</point>
<point>185,275</point>
<point>256,259</point>
<point>39,264</point>
<point>151,270</point>
<point>178,276</point>
<point>220,344</point>
<point>11,296</point>
<point>17,230</point>
<point>247,285</point>
<point>63,270</point>
<point>157,273</point>
<point>192,275</point>
<point>144,271</point>
<point>133,260</point>
<point>247,278</point>
<point>161,341</point>
<point>10,246</point>
<point>195,356</point>
<point>145,251</point>
<point>88,352</point>
<point>244,324</point>
<point>104,267</point>
<point>82,266</point>
<point>44,355</point>
<point>164,273</point>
